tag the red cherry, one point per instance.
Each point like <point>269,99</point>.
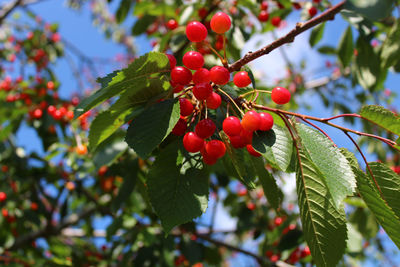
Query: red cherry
<point>232,126</point>
<point>278,221</point>
<point>312,11</point>
<point>102,170</point>
<point>186,106</point>
<point>181,75</point>
<point>252,152</point>
<point>264,5</point>
<point>213,101</point>
<point>219,75</point>
<point>280,95</point>
<point>51,109</point>
<point>305,252</point>
<point>202,12</point>
<point>37,113</point>
<point>237,141</point>
<point>180,127</point>
<point>247,136</point>
<point>172,60</point>
<point>192,142</point>
<point>263,16</point>
<point>34,206</point>
<point>4,212</point>
<point>3,196</point>
<point>196,31</point>
<point>251,206</point>
<point>276,21</point>
<point>50,85</point>
<point>267,121</point>
<point>241,79</point>
<point>205,128</point>
<point>172,24</point>
<point>251,121</point>
<point>57,115</point>
<point>215,148</point>
<point>193,60</point>
<point>220,23</point>
<point>208,159</point>
<point>202,90</point>
<point>201,76</point>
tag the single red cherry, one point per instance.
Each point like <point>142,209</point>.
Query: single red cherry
<point>215,148</point>
<point>241,79</point>
<point>264,5</point>
<point>192,142</point>
<point>267,121</point>
<point>251,121</point>
<point>172,60</point>
<point>247,136</point>
<point>202,90</point>
<point>237,141</point>
<point>213,101</point>
<point>312,11</point>
<point>276,21</point>
<point>205,128</point>
<point>196,31</point>
<point>180,127</point>
<point>280,95</point>
<point>220,23</point>
<point>278,221</point>
<point>37,113</point>
<point>232,126</point>
<point>181,75</point>
<point>193,60</point>
<point>201,76</point>
<point>263,16</point>
<point>3,196</point>
<point>186,106</point>
<point>219,75</point>
<point>172,24</point>
<point>251,151</point>
<point>208,159</point>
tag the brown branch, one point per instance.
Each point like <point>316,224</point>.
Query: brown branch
<point>8,8</point>
<point>329,14</point>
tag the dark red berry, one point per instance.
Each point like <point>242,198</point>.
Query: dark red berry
<point>264,5</point>
<point>251,151</point>
<point>37,113</point>
<point>202,90</point>
<point>202,12</point>
<point>220,23</point>
<point>172,24</point>
<point>263,16</point>
<point>215,148</point>
<point>196,31</point>
<point>251,121</point>
<point>186,106</point>
<point>276,21</point>
<point>237,141</point>
<point>172,60</point>
<point>181,75</point>
<point>280,95</point>
<point>208,159</point>
<point>192,142</point>
<point>180,127</point>
<point>193,60</point>
<point>267,121</point>
<point>3,196</point>
<point>241,79</point>
<point>246,136</point>
<point>219,75</point>
<point>232,126</point>
<point>213,101</point>
<point>201,76</point>
<point>205,128</point>
<point>312,11</point>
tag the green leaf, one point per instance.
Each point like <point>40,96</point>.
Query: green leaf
<point>175,196</point>
<point>371,9</point>
<point>324,226</point>
<point>129,78</point>
<point>345,48</point>
<point>142,24</point>
<point>128,106</point>
<point>390,51</point>
<point>129,182</point>
<point>382,117</point>
<point>334,167</point>
<point>367,68</point>
<point>275,145</point>
<point>316,34</point>
<point>123,10</point>
<point>327,50</point>
<point>110,150</point>
<point>150,128</point>
<point>271,190</point>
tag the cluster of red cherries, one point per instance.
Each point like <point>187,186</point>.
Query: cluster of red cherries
<point>201,84</point>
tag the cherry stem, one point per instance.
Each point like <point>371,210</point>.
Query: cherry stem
<point>230,98</point>
<point>224,47</point>
<point>251,92</point>
<point>223,61</point>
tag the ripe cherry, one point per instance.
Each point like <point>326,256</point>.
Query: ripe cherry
<point>276,21</point>
<point>232,126</point>
<point>219,75</point>
<point>37,113</point>
<point>241,79</point>
<point>186,106</point>
<point>172,24</point>
<point>251,121</point>
<point>172,60</point>
<point>280,95</point>
<point>192,142</point>
<point>34,206</point>
<point>196,31</point>
<point>278,221</point>
<point>264,5</point>
<point>208,159</point>
<point>81,149</point>
<point>201,76</point>
<point>237,141</point>
<point>215,148</point>
<point>50,85</point>
<point>3,196</point>
<point>220,23</point>
<point>252,152</point>
<point>102,170</point>
<point>202,91</point>
<point>263,16</point>
<point>181,75</point>
<point>205,128</point>
<point>312,11</point>
<point>267,121</point>
<point>180,127</point>
<point>213,101</point>
<point>193,60</point>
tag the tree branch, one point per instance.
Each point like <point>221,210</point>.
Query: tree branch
<point>329,14</point>
<point>8,8</point>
